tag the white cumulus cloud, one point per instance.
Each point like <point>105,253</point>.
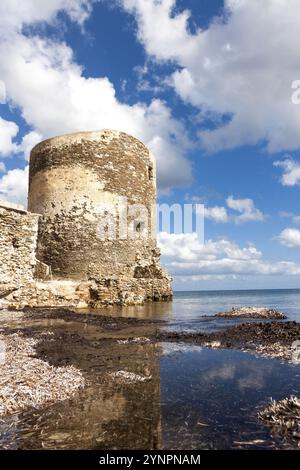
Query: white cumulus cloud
<point>2,92</point>
<point>15,14</point>
<point>28,142</point>
<point>216,213</point>
<point>186,257</point>
<point>44,81</point>
<point>242,67</point>
<point>8,131</point>
<point>13,186</point>
<point>246,208</point>
<point>290,237</point>
<point>291,172</point>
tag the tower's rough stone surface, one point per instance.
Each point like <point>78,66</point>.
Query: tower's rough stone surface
<point>88,188</point>
<point>89,237</point>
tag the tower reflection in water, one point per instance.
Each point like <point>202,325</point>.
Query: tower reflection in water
<point>120,406</point>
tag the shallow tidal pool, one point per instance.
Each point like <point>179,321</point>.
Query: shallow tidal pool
<point>144,395</point>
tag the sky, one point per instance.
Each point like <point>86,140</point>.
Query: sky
<point>210,86</point>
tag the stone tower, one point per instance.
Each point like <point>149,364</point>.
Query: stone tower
<point>96,193</point>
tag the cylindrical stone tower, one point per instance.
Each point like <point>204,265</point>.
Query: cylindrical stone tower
<point>88,186</point>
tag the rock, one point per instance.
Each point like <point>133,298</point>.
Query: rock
<point>6,289</point>
<point>82,304</point>
<point>42,271</point>
<point>124,376</point>
<point>252,312</point>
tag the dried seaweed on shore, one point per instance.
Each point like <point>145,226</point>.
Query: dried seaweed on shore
<point>26,381</point>
<point>284,418</point>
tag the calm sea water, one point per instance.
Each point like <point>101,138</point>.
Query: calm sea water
<point>197,304</point>
<point>195,310</point>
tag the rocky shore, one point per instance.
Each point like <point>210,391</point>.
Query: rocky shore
<point>270,339</point>
<point>253,312</point>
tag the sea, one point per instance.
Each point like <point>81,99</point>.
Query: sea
<point>195,310</point>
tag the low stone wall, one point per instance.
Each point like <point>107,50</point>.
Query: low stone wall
<point>18,240</point>
<point>44,294</point>
<point>130,291</point>
<point>88,294</point>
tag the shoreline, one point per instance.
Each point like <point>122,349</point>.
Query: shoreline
<point>269,338</point>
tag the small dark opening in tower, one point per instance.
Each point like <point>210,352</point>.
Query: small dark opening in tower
<point>139,226</point>
<point>15,242</point>
<point>150,172</point>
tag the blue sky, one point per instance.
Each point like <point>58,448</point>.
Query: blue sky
<point>207,85</point>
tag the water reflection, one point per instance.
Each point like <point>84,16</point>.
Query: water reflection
<point>109,413</point>
<point>211,397</point>
<point>151,310</point>
<point>191,398</point>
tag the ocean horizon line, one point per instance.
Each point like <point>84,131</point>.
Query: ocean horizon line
<point>237,290</point>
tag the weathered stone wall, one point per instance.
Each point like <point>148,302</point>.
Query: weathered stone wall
<point>18,240</point>
<point>71,179</point>
<point>88,294</point>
